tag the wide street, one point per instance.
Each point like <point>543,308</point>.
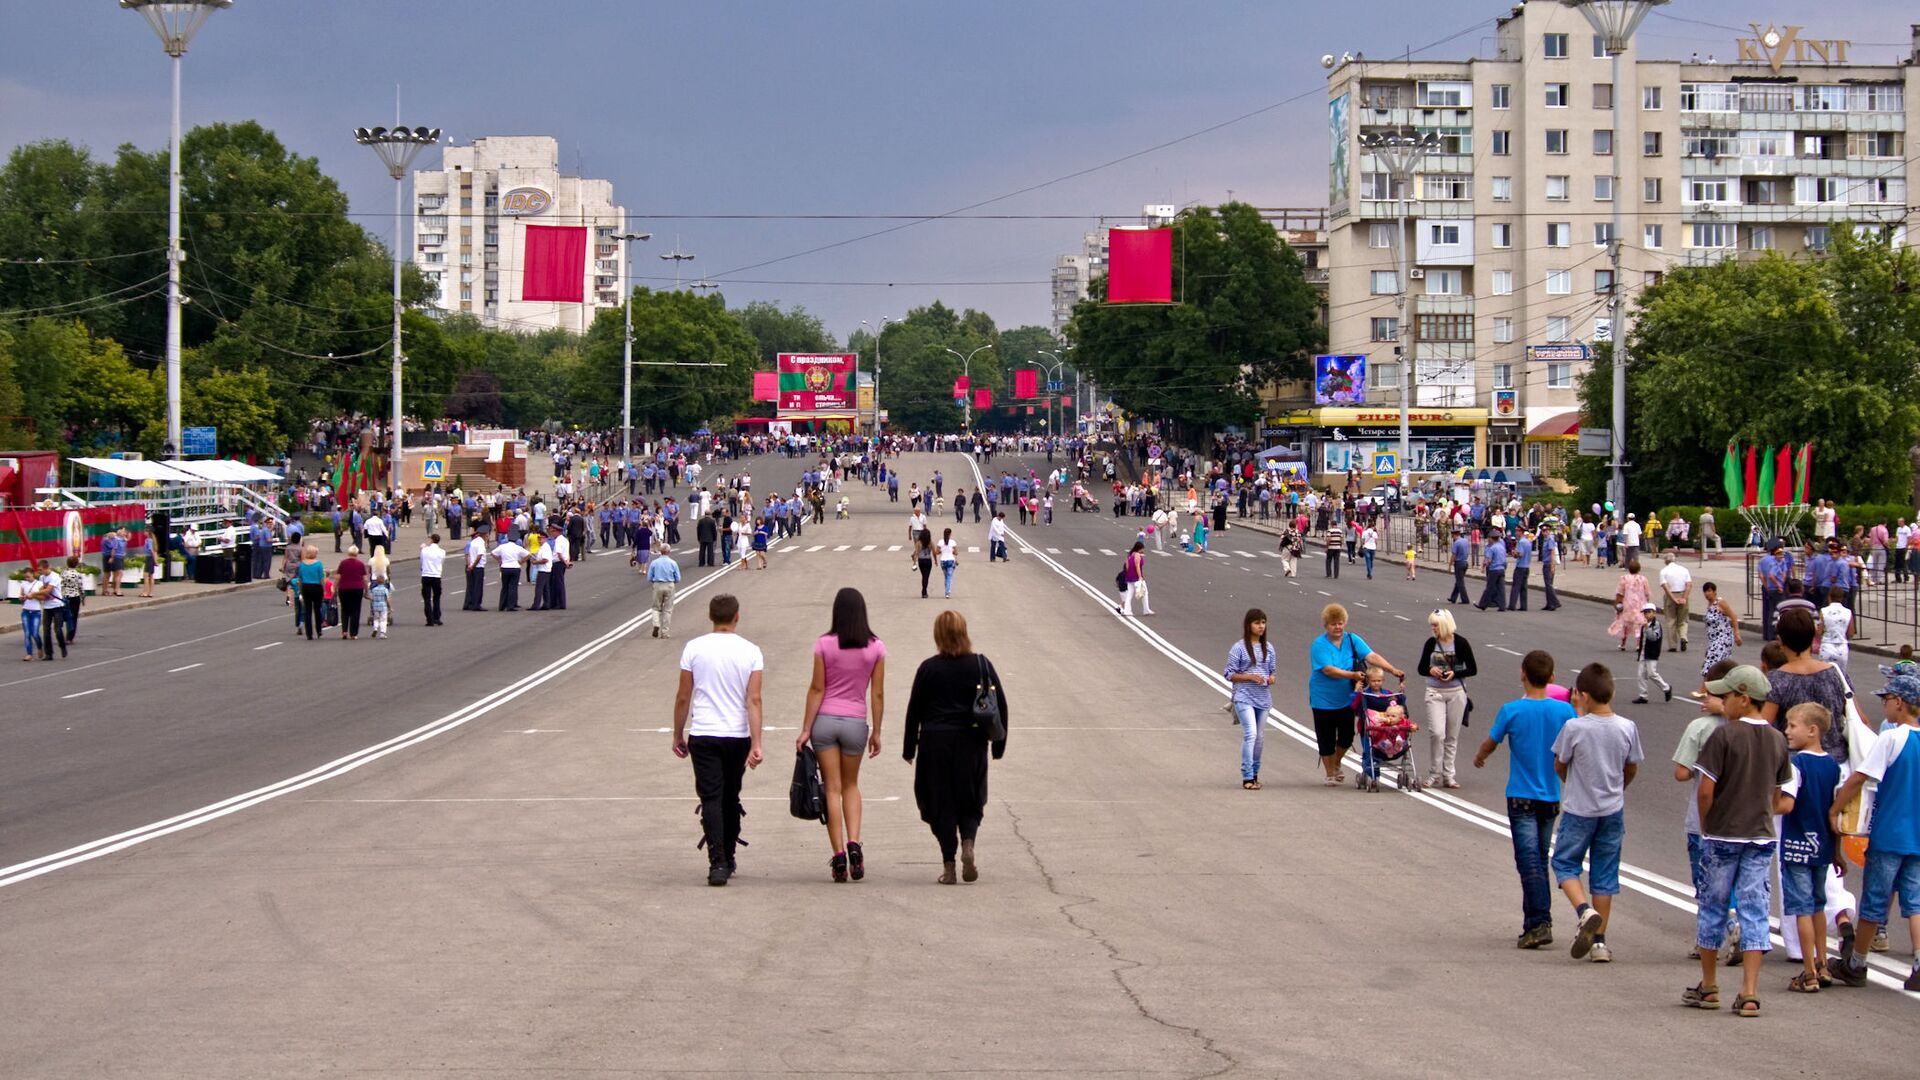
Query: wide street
<point>468,850</point>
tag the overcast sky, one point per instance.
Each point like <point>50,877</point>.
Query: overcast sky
<point>816,107</point>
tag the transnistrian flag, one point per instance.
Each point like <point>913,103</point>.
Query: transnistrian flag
<point>1766,484</point>
<point>1730,475</point>
<point>1783,477</point>
<point>1803,485</point>
<point>1751,496</point>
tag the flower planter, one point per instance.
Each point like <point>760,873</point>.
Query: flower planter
<point>130,576</point>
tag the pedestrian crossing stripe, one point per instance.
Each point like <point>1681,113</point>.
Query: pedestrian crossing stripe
<point>790,549</point>
<point>973,551</point>
<point>1108,551</point>
<point>868,547</point>
<point>843,547</point>
<point>1053,551</point>
<point>895,547</point>
<point>1244,554</point>
<point>816,547</point>
<point>1218,554</point>
<point>1271,554</point>
<point>1080,551</point>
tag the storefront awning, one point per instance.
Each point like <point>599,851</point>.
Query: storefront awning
<point>1556,425</point>
<point>136,470</point>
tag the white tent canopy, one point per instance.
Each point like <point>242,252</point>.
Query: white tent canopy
<point>226,472</point>
<point>137,470</point>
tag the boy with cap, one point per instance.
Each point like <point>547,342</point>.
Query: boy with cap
<point>1651,637</point>
<point>1893,843</point>
<point>1746,777</point>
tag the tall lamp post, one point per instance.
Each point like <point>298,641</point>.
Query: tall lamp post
<point>397,147</point>
<point>1053,373</point>
<point>966,372</point>
<point>626,363</point>
<point>176,23</point>
<point>1615,21</point>
<point>677,257</point>
<point>884,320</point>
<point>1402,152</point>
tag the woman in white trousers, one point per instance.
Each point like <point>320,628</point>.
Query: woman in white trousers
<point>1446,662</point>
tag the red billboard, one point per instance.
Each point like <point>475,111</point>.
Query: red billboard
<point>817,382</point>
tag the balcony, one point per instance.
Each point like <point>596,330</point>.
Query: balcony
<point>1412,116</point>
<point>1442,305</point>
<point>1442,209</point>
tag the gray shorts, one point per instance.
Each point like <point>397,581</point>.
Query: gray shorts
<point>847,734</point>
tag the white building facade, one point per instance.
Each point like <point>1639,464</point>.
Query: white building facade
<point>469,231</point>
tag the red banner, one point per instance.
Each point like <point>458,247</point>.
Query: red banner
<point>555,264</point>
<point>817,381</point>
<point>1782,492</point>
<point>1139,266</point>
<point>56,534</point>
<point>983,398</point>
<point>766,386</point>
<point>1026,384</point>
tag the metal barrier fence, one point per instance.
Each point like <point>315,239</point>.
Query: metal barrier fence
<point>1886,610</point>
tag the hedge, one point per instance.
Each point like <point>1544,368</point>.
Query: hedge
<point>1732,526</point>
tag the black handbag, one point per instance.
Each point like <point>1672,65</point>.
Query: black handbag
<point>986,705</point>
<point>1120,580</point>
<point>807,797</point>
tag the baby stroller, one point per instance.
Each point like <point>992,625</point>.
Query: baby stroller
<point>1386,739</point>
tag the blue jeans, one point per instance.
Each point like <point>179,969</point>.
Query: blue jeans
<point>1600,836</point>
<point>1253,738</point>
<point>1740,875</point>
<point>1803,889</point>
<point>1888,873</point>
<point>1531,821</point>
<point>29,629</point>
<point>1369,556</point>
<point>726,551</point>
<point>1693,864</point>
<point>946,573</point>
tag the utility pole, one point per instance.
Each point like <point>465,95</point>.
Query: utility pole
<point>1401,153</point>
<point>397,147</point>
<point>626,364</point>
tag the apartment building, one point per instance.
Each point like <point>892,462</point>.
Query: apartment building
<point>1510,214</point>
<point>469,231</point>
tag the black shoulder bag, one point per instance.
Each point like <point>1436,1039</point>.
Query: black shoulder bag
<point>807,797</point>
<point>986,705</point>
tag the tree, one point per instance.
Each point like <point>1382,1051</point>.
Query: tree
<point>476,399</point>
<point>917,353</point>
<point>91,391</point>
<point>239,404</point>
<point>1244,316</point>
<point>777,331</point>
<point>668,328</point>
<point>16,428</point>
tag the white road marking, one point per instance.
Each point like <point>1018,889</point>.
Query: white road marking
<point>1109,552</point>
<point>577,798</point>
<point>1246,554</point>
<point>1324,592</point>
<point>894,547</point>
<point>535,731</point>
<point>1403,618</point>
<point>1219,554</point>
<point>1081,551</point>
<point>973,550</point>
<point>189,667</point>
<point>790,549</point>
<point>1508,651</point>
<point>844,547</point>
<point>148,652</point>
<point>1271,554</point>
<point>268,645</point>
<point>814,548</point>
<point>1053,551</point>
<point>868,547</point>
<point>83,693</point>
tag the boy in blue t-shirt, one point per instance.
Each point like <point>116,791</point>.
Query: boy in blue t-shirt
<point>1893,842</point>
<point>1806,841</point>
<point>1529,725</point>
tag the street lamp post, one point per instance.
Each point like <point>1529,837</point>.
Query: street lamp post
<point>1053,372</point>
<point>176,23</point>
<point>1615,21</point>
<point>966,372</point>
<point>676,256</point>
<point>884,320</point>
<point>1402,152</point>
<point>626,362</point>
<point>397,147</point>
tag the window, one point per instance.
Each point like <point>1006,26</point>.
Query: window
<point>1819,189</point>
<point>1820,98</point>
<point>1444,95</point>
<point>1603,189</point>
<point>1455,328</point>
<point>1649,144</point>
<point>1881,190</point>
<point>1654,237</point>
<point>1444,282</point>
<point>1557,96</point>
<point>1875,144</point>
<point>466,292</point>
<point>1553,46</point>
<point>1381,186</point>
<point>1709,97</point>
<point>1821,147</point>
<point>1502,330</point>
<point>1502,96</point>
<point>1446,186</point>
<point>433,257</point>
<point>1452,140</point>
<point>490,201</point>
<point>1711,143</point>
<point>1559,283</point>
<point>1819,237</point>
<point>1444,234</point>
<point>1760,238</point>
<point>1603,95</point>
<point>1603,281</point>
<point>1773,192</point>
<point>1502,234</point>
<point>1650,189</point>
<point>1502,283</point>
<point>493,238</point>
<point>1536,457</point>
<point>1385,283</point>
<point>1556,140</point>
<point>1502,190</point>
<point>1710,234</point>
<point>1557,188</point>
<point>1502,143</point>
<point>1559,234</point>
<point>1650,99</point>
<point>1384,377</point>
<point>1599,47</point>
<point>1503,373</point>
<point>1386,329</point>
<point>1380,235</point>
<point>1880,97</point>
<point>1557,331</point>
<point>1603,142</point>
<point>1602,233</point>
<point>1654,277</point>
<point>1708,189</point>
<point>1504,455</point>
<point>1559,377</point>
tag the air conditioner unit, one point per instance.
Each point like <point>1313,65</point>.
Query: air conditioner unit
<point>1416,274</point>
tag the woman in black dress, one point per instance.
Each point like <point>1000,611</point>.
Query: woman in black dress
<point>950,777</point>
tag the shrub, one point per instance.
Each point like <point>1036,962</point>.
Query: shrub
<point>1732,525</point>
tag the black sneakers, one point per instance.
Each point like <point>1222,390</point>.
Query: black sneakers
<point>856,860</point>
<point>718,873</point>
<point>1536,937</point>
<point>838,864</point>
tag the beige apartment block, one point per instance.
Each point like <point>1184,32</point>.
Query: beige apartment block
<point>1769,145</point>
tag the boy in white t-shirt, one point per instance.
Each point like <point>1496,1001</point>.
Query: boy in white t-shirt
<point>716,722</point>
<point>1835,623</point>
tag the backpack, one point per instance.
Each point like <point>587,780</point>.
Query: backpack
<point>807,796</point>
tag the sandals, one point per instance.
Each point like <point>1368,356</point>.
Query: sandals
<point>1745,1005</point>
<point>1331,781</point>
<point>1805,983</point>
<point>1250,785</point>
<point>1701,996</point>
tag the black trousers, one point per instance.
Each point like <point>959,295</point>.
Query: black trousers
<point>1546,582</point>
<point>311,597</point>
<point>1769,600</point>
<point>926,574</point>
<point>476,589</point>
<point>556,584</point>
<point>350,610</point>
<point>1517,596</point>
<point>539,584</point>
<point>1459,595</point>
<point>1495,594</point>
<point>706,553</point>
<point>719,764</point>
<point>53,630</point>
<point>1333,563</point>
<point>510,588</point>
<point>430,599</point>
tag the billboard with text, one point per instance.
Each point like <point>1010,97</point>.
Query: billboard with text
<point>814,382</point>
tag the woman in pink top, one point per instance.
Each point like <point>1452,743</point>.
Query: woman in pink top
<point>849,671</point>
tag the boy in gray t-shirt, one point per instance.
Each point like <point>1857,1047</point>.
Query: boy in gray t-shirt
<point>1596,755</point>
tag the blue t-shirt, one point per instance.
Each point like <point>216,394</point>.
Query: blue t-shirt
<point>1324,691</point>
<point>1804,831</point>
<point>1530,728</point>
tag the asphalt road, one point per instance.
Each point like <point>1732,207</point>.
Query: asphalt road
<point>520,894</point>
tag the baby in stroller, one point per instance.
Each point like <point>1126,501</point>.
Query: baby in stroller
<point>1386,733</point>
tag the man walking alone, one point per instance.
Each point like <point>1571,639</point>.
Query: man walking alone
<point>663,574</point>
<point>716,722</point>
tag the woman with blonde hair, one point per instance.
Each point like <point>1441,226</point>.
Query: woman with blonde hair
<point>1628,601</point>
<point>950,775</point>
<point>1447,662</point>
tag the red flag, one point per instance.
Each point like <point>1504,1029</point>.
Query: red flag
<point>983,398</point>
<point>1752,496</point>
<point>1029,410</point>
<point>766,386</point>
<point>1139,266</point>
<point>960,387</point>
<point>555,265</point>
<point>1782,493</point>
<point>1026,384</point>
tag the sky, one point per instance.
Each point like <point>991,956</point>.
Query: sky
<point>697,111</point>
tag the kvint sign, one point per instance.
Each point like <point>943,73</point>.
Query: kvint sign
<point>1774,47</point>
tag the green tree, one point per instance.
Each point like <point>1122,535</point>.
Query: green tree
<point>777,331</point>
<point>239,404</point>
<point>1244,316</point>
<point>16,428</point>
<point>668,328</point>
<point>919,365</point>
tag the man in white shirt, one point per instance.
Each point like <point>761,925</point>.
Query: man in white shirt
<point>997,538</point>
<point>1676,585</point>
<point>433,560</point>
<point>915,523</point>
<point>509,556</point>
<point>553,578</point>
<point>1630,538</point>
<point>1901,536</point>
<point>476,573</point>
<point>376,530</point>
<point>716,722</point>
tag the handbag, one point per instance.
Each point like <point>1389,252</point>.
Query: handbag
<point>986,705</point>
<point>1120,580</point>
<point>807,796</point>
<point>1856,816</point>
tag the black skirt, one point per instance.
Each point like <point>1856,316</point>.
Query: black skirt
<point>950,776</point>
